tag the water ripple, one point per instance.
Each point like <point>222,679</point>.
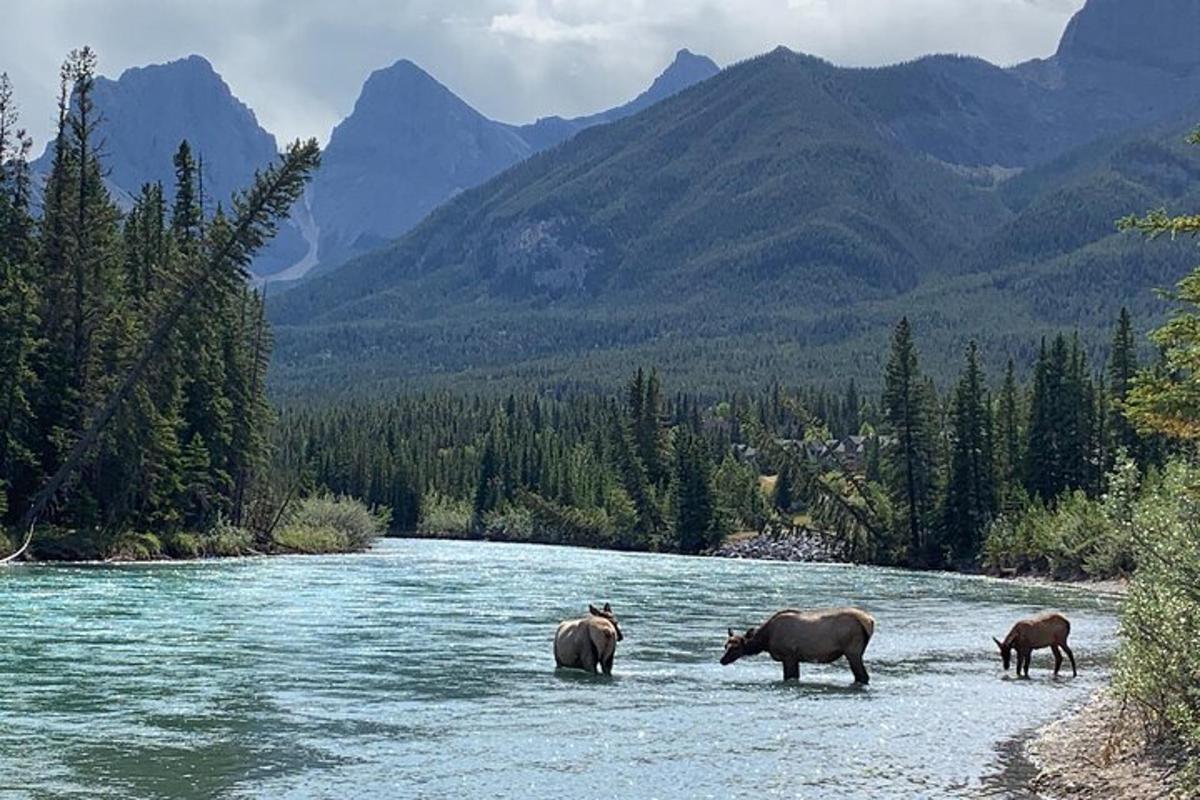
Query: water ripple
<point>425,669</point>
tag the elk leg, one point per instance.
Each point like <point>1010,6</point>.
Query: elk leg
<point>1023,659</point>
<point>1070,655</point>
<point>607,665</point>
<point>1057,658</point>
<point>791,670</point>
<point>858,668</point>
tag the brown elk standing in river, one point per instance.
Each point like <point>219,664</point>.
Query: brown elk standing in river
<point>1044,630</point>
<point>814,637</point>
<point>588,643</point>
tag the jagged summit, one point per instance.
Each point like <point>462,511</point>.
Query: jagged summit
<point>1157,33</point>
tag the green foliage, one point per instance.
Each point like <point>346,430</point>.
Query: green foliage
<point>226,540</point>
<point>444,517</point>
<point>1159,660</point>
<point>182,544</point>
<point>135,546</point>
<point>325,523</point>
<point>132,352</point>
<point>740,500</point>
<point>908,406</point>
<point>509,523</point>
<point>1080,537</point>
<point>1062,424</point>
<point>970,497</point>
<point>698,523</point>
<point>772,241</point>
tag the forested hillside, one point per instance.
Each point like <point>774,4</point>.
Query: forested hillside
<point>911,476</point>
<point>767,224</point>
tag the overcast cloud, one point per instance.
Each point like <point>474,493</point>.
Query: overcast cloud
<point>299,64</point>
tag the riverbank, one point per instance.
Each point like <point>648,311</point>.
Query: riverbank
<point>802,545</point>
<point>1104,751</point>
<point>316,525</point>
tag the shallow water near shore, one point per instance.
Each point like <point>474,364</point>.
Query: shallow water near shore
<point>424,669</point>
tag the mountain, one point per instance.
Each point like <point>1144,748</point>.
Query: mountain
<point>148,110</point>
<point>685,70</point>
<point>772,223</point>
<point>410,144</point>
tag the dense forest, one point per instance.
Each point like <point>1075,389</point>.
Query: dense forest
<point>911,477</point>
<point>133,353</point>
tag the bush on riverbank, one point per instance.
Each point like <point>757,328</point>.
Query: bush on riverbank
<point>1079,538</point>
<point>326,523</point>
<point>1158,665</point>
<point>444,516</point>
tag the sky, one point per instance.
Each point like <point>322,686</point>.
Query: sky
<point>299,64</point>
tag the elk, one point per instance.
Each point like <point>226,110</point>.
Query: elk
<point>815,637</point>
<point>588,643</point>
<point>1045,630</point>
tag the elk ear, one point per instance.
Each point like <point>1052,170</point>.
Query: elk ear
<point>731,633</point>
<point>592,610</point>
<point>608,608</point>
<point>998,643</point>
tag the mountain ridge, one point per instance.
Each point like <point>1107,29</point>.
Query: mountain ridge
<point>784,195</point>
<point>407,130</point>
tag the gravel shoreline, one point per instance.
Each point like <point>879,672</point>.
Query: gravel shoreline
<point>1102,752</point>
<point>803,545</point>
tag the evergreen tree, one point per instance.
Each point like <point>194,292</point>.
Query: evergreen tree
<point>970,500</point>
<point>696,521</point>
<point>784,495</point>
<point>186,216</point>
<point>1123,369</point>
<point>18,304</point>
<point>909,461</point>
<point>1008,439</point>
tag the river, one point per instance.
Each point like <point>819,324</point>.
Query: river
<point>425,670</point>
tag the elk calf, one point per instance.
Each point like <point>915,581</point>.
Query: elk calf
<point>1036,633</point>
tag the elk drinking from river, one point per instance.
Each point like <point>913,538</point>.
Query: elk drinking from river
<point>814,637</point>
<point>1045,630</point>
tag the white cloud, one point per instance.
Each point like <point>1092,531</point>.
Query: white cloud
<point>300,64</point>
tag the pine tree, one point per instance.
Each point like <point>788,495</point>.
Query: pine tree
<point>186,216</point>
<point>970,501</point>
<point>1122,371</point>
<point>18,305</point>
<point>909,461</point>
<point>696,521</point>
<point>1008,440</point>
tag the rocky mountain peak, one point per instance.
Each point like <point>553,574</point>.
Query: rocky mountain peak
<point>1156,33</point>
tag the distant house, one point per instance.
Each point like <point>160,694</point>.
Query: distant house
<point>847,452</point>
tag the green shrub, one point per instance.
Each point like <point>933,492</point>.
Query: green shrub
<point>181,544</point>
<point>1079,538</point>
<point>444,516</point>
<point>1158,665</point>
<point>134,546</point>
<point>331,524</point>
<point>310,541</point>
<point>226,540</point>
<point>509,523</point>
<point>67,544</point>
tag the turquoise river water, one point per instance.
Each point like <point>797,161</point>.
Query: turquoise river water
<point>425,670</point>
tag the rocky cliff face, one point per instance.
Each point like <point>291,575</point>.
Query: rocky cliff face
<point>148,111</point>
<point>411,144</point>
<point>1163,34</point>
